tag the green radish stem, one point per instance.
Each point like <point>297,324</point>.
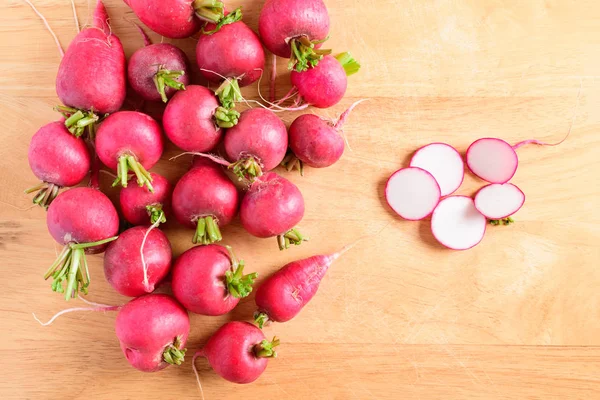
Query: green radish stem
<point>209,10</point>
<point>247,167</point>
<point>173,354</point>
<point>46,192</point>
<point>261,319</point>
<point>165,77</point>
<point>156,213</point>
<point>351,66</point>
<point>228,94</point>
<point>503,221</point>
<point>265,349</point>
<point>207,231</point>
<point>304,54</point>
<point>79,122</point>
<point>290,161</point>
<point>234,16</point>
<point>293,236</point>
<point>127,162</point>
<point>238,284</point>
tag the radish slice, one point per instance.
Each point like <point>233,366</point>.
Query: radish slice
<point>412,192</point>
<point>444,163</point>
<point>492,160</point>
<point>457,224</point>
<point>498,201</point>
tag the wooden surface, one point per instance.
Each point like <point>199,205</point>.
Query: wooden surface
<point>398,317</point>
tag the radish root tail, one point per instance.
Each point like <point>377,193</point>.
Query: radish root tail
<point>144,265</point>
<point>198,354</point>
<point>74,309</point>
<point>39,14</point>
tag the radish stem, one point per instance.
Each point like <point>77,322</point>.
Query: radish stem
<point>238,284</point>
<point>351,66</point>
<point>304,54</point>
<point>164,78</point>
<point>173,354</point>
<point>127,162</point>
<point>234,16</point>
<point>207,231</point>
<point>265,348</point>
<point>293,236</point>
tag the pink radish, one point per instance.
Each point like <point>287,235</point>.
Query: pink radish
<point>238,352</point>
<point>137,261</point>
<point>83,220</point>
<point>140,206</point>
<point>130,140</point>
<point>498,201</point>
<point>444,163</point>
<point>457,224</point>
<point>272,207</point>
<point>152,332</point>
<point>209,280</point>
<point>58,159</point>
<point>412,193</point>
<point>492,160</point>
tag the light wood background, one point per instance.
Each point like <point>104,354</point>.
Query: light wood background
<point>398,317</point>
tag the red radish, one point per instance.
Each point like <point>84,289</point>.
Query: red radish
<point>444,163</point>
<point>152,332</point>
<point>295,29</point>
<point>457,224</point>
<point>498,201</point>
<point>272,207</point>
<point>209,280</point>
<point>141,206</point>
<point>492,160</point>
<point>238,352</point>
<point>58,159</point>
<point>83,220</point>
<point>205,199</point>
<point>412,193</point>
<point>130,140</point>
<point>137,261</point>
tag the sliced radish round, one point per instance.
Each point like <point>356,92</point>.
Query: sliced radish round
<point>457,224</point>
<point>492,160</point>
<point>444,163</point>
<point>497,201</point>
<point>412,192</point>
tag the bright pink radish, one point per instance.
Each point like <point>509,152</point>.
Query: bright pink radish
<point>498,201</point>
<point>141,206</point>
<point>492,160</point>
<point>238,352</point>
<point>457,224</point>
<point>152,332</point>
<point>130,140</point>
<point>294,29</point>
<point>209,280</point>
<point>137,261</point>
<point>205,199</point>
<point>412,193</point>
<point>444,163</point>
<point>58,159</point>
<point>272,207</point>
<point>83,220</point>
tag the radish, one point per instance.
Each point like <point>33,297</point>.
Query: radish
<point>130,140</point>
<point>58,159</point>
<point>295,29</point>
<point>499,201</point>
<point>457,224</point>
<point>238,352</point>
<point>152,331</point>
<point>492,160</point>
<point>272,207</point>
<point>209,280</point>
<point>83,220</point>
<point>140,206</point>
<point>205,199</point>
<point>444,163</point>
<point>412,193</point>
<point>137,261</point>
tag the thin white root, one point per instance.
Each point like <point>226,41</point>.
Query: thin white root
<point>19,208</point>
<point>217,159</point>
<point>70,310</point>
<point>196,373</point>
<point>108,173</point>
<point>91,303</point>
<point>344,249</point>
<point>39,14</point>
<point>75,16</point>
<point>144,265</point>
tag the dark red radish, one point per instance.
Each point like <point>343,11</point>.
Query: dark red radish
<point>209,280</point>
<point>137,261</point>
<point>238,352</point>
<point>412,193</point>
<point>140,206</point>
<point>457,224</point>
<point>83,220</point>
<point>273,206</point>
<point>152,331</point>
<point>130,140</point>
<point>444,163</point>
<point>492,160</point>
<point>295,29</point>
<point>205,199</point>
<point>58,159</point>
<point>498,201</point>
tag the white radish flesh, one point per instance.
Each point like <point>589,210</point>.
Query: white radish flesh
<point>457,224</point>
<point>498,201</point>
<point>412,193</point>
<point>444,163</point>
<point>492,160</point>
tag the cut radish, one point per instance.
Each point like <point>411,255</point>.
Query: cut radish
<point>413,193</point>
<point>457,224</point>
<point>492,160</point>
<point>498,201</point>
<point>444,163</point>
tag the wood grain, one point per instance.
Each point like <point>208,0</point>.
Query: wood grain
<point>517,317</point>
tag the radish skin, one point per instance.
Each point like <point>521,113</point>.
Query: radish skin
<point>444,163</point>
<point>140,206</point>
<point>492,160</point>
<point>498,201</point>
<point>412,193</point>
<point>457,224</point>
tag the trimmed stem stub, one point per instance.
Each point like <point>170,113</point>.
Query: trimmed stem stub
<point>238,284</point>
<point>261,319</point>
<point>166,78</point>
<point>209,10</point>
<point>173,354</point>
<point>351,66</point>
<point>156,213</point>
<point>304,55</point>
<point>503,221</point>
<point>207,230</point>
<point>234,16</point>
<point>46,192</point>
<point>247,167</point>
<point>71,266</point>
<point>293,236</point>
<point>226,118</point>
<point>265,349</point>
<point>127,162</point>
<point>291,162</point>
<point>229,93</point>
<point>79,122</point>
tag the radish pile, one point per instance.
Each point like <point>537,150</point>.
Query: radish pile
<point>233,173</point>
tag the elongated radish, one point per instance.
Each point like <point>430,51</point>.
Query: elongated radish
<point>412,193</point>
<point>499,201</point>
<point>457,224</point>
<point>492,160</point>
<point>444,163</point>
<point>140,206</point>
